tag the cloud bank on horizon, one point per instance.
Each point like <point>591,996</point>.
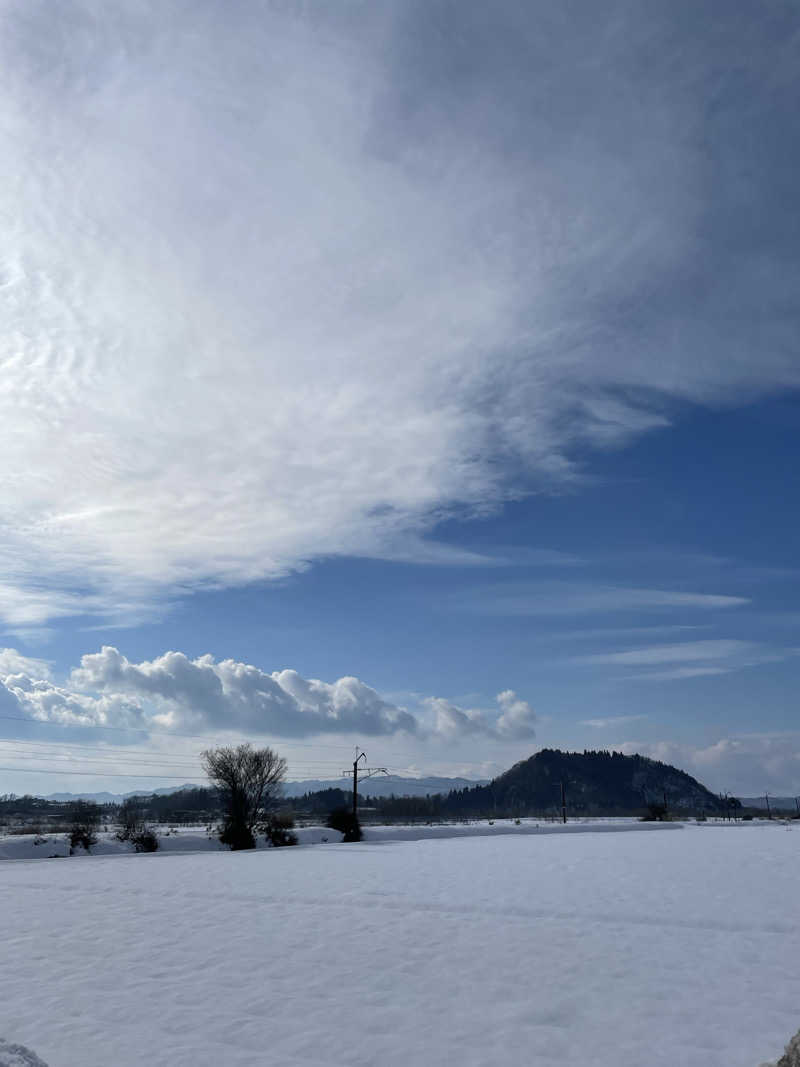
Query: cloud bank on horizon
<point>175,693</point>
<point>284,283</point>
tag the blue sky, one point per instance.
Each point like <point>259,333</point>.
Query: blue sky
<point>419,376</point>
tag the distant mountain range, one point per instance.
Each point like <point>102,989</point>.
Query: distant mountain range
<point>382,785</point>
<point>117,798</point>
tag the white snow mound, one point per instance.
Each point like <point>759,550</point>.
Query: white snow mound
<point>18,1056</point>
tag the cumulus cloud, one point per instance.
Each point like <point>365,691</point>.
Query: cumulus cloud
<point>173,692</point>
<point>13,662</point>
<point>287,283</point>
<point>208,694</point>
<point>41,700</point>
<point>747,765</point>
<point>515,722</point>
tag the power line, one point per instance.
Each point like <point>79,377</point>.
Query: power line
<point>147,730</point>
<point>96,774</point>
<point>123,754</point>
<point>197,737</point>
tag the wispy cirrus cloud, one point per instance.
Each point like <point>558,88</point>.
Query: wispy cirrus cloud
<point>551,598</point>
<point>689,659</point>
<point>276,289</point>
<point>611,721</point>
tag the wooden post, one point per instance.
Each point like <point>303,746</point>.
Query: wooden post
<point>769,810</point>
<point>563,802</point>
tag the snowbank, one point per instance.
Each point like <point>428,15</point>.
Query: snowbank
<point>51,846</point>
<point>18,1056</point>
<point>193,839</point>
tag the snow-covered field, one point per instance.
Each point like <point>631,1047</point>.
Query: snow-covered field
<point>626,949</point>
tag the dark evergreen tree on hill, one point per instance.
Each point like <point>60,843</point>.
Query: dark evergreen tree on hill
<point>596,783</point>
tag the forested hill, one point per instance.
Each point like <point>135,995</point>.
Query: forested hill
<point>594,782</point>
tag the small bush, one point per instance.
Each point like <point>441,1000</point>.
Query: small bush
<point>656,813</point>
<point>236,836</point>
<point>146,840</point>
<point>82,830</point>
<point>277,829</point>
<point>346,823</point>
<point>34,828</point>
<point>134,829</point>
<point>82,837</point>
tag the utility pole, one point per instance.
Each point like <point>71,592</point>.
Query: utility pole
<point>366,772</point>
<point>769,810</point>
<point>797,804</point>
<point>355,779</point>
<point>563,802</point>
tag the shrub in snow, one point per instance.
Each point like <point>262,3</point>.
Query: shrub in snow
<point>346,822</point>
<point>656,813</point>
<point>134,829</point>
<point>84,820</point>
<point>18,1056</point>
<point>145,840</point>
<point>235,836</point>
<point>277,829</point>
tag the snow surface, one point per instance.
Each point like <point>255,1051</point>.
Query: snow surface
<point>199,839</point>
<point>18,1056</point>
<point>648,949</point>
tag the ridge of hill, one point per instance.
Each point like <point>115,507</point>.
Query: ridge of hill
<point>595,782</point>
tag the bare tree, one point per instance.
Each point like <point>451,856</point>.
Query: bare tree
<point>249,780</point>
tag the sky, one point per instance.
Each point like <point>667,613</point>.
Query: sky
<point>418,375</point>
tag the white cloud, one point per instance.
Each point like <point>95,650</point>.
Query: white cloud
<point>689,659</point>
<point>517,719</point>
<point>175,693</point>
<point>566,598</point>
<point>205,694</point>
<point>684,652</point>
<point>515,722</point>
<point>275,290</point>
<point>13,662</point>
<point>744,765</point>
<point>612,720</point>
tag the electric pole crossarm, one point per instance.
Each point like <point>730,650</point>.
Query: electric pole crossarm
<point>365,772</point>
